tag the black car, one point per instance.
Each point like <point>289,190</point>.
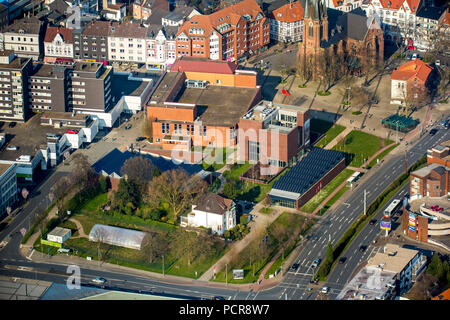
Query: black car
<point>140,139</point>
<point>362,248</point>
<point>295,266</point>
<point>128,126</point>
<point>372,222</point>
<point>433,131</point>
<point>342,260</point>
<point>12,124</point>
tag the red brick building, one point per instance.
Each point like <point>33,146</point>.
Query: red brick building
<point>349,40</point>
<point>199,103</point>
<point>228,34</point>
<point>430,181</point>
<point>273,133</point>
<point>439,154</point>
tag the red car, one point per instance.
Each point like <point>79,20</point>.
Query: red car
<point>410,47</point>
<point>71,131</point>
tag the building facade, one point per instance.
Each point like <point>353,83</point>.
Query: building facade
<point>58,42</point>
<point>25,37</point>
<point>286,22</point>
<point>127,42</point>
<point>160,47</point>
<point>228,34</point>
<point>430,181</point>
<point>14,71</point>
<point>91,42</point>
<point>273,134</point>
<point>8,187</point>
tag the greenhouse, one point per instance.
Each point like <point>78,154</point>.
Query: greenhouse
<point>117,236</point>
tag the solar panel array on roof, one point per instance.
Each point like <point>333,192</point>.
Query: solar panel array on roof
<point>308,171</point>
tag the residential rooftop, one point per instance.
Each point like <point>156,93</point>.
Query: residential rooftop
<point>425,171</point>
<point>394,258</point>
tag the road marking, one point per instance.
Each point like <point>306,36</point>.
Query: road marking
<point>255,295</point>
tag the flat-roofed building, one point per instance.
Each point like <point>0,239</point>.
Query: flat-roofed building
<point>273,134</point>
<point>14,71</point>
<point>8,186</point>
<point>59,235</point>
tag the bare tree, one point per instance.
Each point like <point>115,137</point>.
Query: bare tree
<point>155,246</point>
<point>59,190</point>
<point>177,188</point>
<point>99,235</point>
<point>138,168</point>
<point>83,176</point>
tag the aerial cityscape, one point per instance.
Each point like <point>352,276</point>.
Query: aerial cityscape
<point>252,150</point>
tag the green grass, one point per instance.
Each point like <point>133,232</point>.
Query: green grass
<point>302,86</point>
<point>315,201</point>
<point>381,156</point>
<point>266,210</point>
<point>236,171</point>
<point>331,134</point>
<point>360,145</point>
<point>96,202</point>
<point>321,93</point>
<point>219,155</point>
<point>356,113</point>
<point>70,225</point>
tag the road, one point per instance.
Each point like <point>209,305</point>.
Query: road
<point>293,286</point>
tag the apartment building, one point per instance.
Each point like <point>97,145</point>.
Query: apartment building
<point>127,42</point>
<point>160,47</point>
<point>439,154</point>
<point>228,34</point>
<point>58,42</point>
<point>427,28</point>
<point>90,87</point>
<point>344,5</point>
<point>24,37</point>
<point>111,10</point>
<point>91,42</point>
<point>286,22</point>
<point>48,88</point>
<point>8,186</point>
<point>14,71</point>
<point>430,181</point>
<point>273,134</point>
<point>410,81</point>
<point>178,16</point>
<point>4,16</point>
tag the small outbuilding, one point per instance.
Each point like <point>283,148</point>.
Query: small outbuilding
<point>59,235</point>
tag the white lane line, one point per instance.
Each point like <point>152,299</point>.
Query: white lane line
<point>255,295</point>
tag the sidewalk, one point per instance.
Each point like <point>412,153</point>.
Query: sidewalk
<point>340,136</point>
<point>259,223</point>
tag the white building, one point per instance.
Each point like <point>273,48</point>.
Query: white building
<point>398,18</point>
<point>160,47</point>
<point>24,37</point>
<point>178,16</point>
<point>212,211</point>
<point>286,22</point>
<point>58,42</point>
<point>344,5</point>
<point>59,235</point>
<point>126,42</point>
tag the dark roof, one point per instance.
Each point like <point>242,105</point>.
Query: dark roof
<point>440,170</point>
<point>428,12</point>
<point>96,28</point>
<point>156,16</point>
<point>127,30</point>
<point>346,25</point>
<point>211,202</point>
<point>59,6</point>
<point>113,162</point>
<point>308,171</point>
<point>28,25</point>
<point>268,7</point>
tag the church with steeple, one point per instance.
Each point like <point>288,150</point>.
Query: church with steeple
<point>347,40</point>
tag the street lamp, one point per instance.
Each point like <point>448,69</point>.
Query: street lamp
<point>163,265</point>
<point>226,274</point>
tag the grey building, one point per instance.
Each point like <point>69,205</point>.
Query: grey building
<point>90,87</point>
<point>48,86</point>
<point>14,73</point>
<point>4,16</point>
<point>8,186</point>
<point>91,42</point>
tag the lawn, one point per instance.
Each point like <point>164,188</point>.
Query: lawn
<point>248,259</point>
<point>381,156</point>
<point>332,133</point>
<point>359,146</point>
<point>266,210</point>
<point>96,202</point>
<point>236,171</point>
<point>219,155</point>
<point>315,201</point>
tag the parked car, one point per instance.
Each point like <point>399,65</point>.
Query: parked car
<point>72,131</point>
<point>342,260</point>
<point>140,139</point>
<point>11,148</point>
<point>409,56</point>
<point>372,222</point>
<point>325,290</point>
<point>99,280</point>
<point>295,266</point>
<point>447,124</point>
<point>128,127</point>
<point>437,62</point>
<point>443,122</point>
<point>414,56</point>
<point>433,131</point>
<point>315,263</point>
<point>12,124</point>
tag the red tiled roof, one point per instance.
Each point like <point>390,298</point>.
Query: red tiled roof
<point>443,296</point>
<point>412,69</point>
<point>290,12</point>
<point>65,33</point>
<point>230,15</point>
<point>397,4</point>
<point>189,64</point>
<point>446,17</point>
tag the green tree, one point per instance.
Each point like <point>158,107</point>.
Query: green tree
<point>434,265</point>
<point>103,185</point>
<point>128,191</point>
<point>229,190</point>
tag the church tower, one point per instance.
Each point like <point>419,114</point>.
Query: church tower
<point>315,30</point>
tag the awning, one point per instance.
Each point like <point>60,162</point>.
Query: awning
<point>50,59</point>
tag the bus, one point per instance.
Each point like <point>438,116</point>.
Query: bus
<point>390,210</point>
